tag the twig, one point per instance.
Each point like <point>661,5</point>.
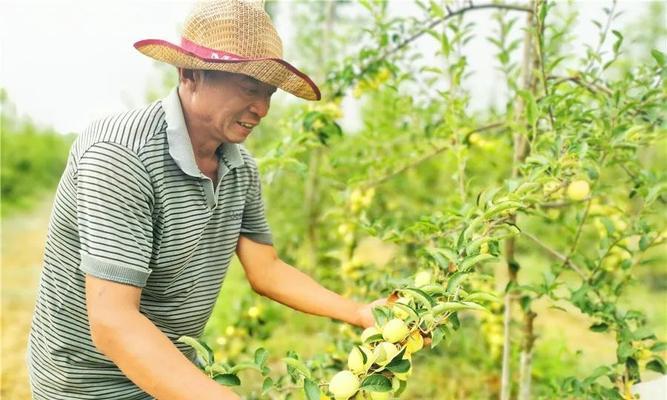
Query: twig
<point>556,204</point>
<point>427,157</point>
<point>556,254</point>
<point>540,57</point>
<point>582,222</point>
<point>592,87</point>
<point>461,176</point>
<point>603,36</point>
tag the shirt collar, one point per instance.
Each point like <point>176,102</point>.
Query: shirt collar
<point>180,146</point>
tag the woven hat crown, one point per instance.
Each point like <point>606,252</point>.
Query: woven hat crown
<point>235,26</point>
<point>234,36</point>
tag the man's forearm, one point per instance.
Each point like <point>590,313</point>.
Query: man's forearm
<point>297,290</point>
<point>148,358</point>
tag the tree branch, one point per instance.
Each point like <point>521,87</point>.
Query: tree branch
<point>432,24</point>
<point>592,87</point>
<point>425,158</point>
<point>556,254</point>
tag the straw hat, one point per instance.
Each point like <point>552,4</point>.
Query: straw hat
<point>234,36</point>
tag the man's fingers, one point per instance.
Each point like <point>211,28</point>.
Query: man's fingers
<point>392,298</point>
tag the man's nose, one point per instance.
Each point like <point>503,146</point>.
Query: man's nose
<point>261,106</point>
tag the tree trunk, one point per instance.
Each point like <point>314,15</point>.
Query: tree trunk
<point>311,191</point>
<point>526,356</point>
<point>521,151</point>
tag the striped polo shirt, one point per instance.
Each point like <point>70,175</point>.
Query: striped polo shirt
<point>133,207</point>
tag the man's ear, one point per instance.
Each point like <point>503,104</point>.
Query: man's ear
<point>192,79</point>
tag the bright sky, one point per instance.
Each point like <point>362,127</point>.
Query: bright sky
<point>67,62</point>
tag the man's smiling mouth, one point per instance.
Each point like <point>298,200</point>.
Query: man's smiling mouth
<point>246,125</point>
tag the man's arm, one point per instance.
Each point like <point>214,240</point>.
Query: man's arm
<point>271,277</point>
<point>144,354</point>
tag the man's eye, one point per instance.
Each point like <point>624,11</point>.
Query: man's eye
<point>252,91</point>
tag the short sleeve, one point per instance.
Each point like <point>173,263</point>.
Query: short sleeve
<point>114,203</point>
<point>254,225</point>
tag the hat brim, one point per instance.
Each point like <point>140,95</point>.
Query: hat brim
<point>273,71</point>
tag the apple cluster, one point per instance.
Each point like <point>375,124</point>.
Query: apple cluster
<point>380,347</point>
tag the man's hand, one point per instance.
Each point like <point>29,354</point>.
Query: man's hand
<point>365,313</point>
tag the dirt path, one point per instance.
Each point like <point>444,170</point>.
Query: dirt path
<point>23,237</point>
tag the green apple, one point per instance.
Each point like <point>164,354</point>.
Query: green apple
<point>395,330</point>
<point>379,395</point>
<point>404,375</point>
<point>552,189</point>
<point>415,342</point>
<point>398,312</point>
<point>343,385</point>
<point>423,278</point>
<point>355,360</point>
<point>384,352</point>
<point>368,332</point>
<point>578,190</point>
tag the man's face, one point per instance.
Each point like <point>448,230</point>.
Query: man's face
<point>227,106</point>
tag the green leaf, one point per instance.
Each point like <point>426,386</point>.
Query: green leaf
<point>471,229</point>
<point>609,225</point>
<point>310,118</point>
<point>244,365</point>
<point>658,56</point>
<point>643,333</point>
<point>298,366</point>
<point>442,256</point>
<point>376,383</point>
<point>475,244</point>
<point>644,243</point>
<point>439,259</point>
<point>311,389</point>
<point>454,281</point>
<point>543,12</point>
<point>659,346</point>
<point>530,106</point>
<point>200,347</point>
<point>436,336</point>
<point>406,308</point>
<point>499,208</point>
<point>227,380</point>
<point>624,351</point>
<point>619,40</point>
<point>601,327</point>
<point>261,355</point>
<point>657,365</point>
<point>267,385</point>
<point>433,289</point>
<point>380,314</point>
<point>218,369</point>
<point>374,338</point>
<point>599,371</point>
<point>436,10</point>
<point>632,367</point>
<point>400,389</point>
<point>487,196</point>
<point>470,261</point>
<point>484,296</point>
<point>419,296</point>
<point>454,306</point>
<point>398,365</point>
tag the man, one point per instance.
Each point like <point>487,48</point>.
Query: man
<point>149,211</point>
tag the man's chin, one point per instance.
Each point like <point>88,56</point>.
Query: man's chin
<point>238,139</point>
